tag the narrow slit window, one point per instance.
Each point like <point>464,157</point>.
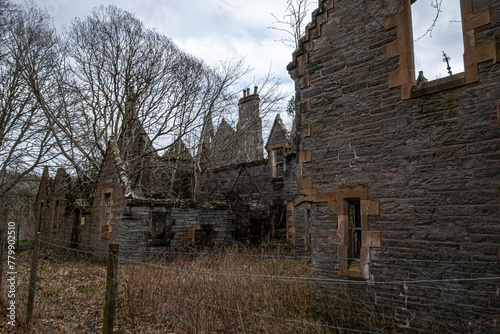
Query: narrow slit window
<point>354,220</point>
<point>107,205</point>
<point>437,38</point>
<point>279,162</point>
<point>55,221</point>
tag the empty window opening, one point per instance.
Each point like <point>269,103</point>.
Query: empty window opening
<point>279,162</point>
<point>437,38</point>
<point>204,237</point>
<point>256,231</point>
<point>55,216</point>
<point>159,225</point>
<point>354,221</point>
<point>161,229</point>
<point>75,230</point>
<point>279,228</point>
<point>107,213</point>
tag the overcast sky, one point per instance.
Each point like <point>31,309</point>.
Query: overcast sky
<point>212,30</point>
<point>445,36</point>
<point>215,30</point>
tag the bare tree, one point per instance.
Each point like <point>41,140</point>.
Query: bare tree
<point>25,137</point>
<point>108,78</point>
<point>436,4</point>
<point>109,70</point>
<point>293,22</point>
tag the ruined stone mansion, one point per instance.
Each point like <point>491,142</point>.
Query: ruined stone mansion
<point>381,176</point>
<point>148,203</point>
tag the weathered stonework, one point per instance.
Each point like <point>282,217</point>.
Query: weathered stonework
<point>59,211</point>
<point>145,202</point>
<point>426,157</point>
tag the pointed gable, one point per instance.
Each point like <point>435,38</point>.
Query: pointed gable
<point>134,143</point>
<point>178,150</point>
<point>224,133</point>
<point>207,135</point>
<point>61,183</point>
<point>278,134</point>
<point>45,184</point>
<point>224,143</point>
<point>112,164</point>
<point>42,198</point>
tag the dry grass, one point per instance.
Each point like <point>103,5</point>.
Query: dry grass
<point>236,293</point>
<point>233,291</point>
<point>70,287</point>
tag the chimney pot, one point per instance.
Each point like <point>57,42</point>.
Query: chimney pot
<point>248,91</point>
<point>244,92</point>
<point>255,90</point>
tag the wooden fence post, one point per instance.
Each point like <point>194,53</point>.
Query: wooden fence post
<point>2,245</point>
<point>111,287</point>
<point>33,276</point>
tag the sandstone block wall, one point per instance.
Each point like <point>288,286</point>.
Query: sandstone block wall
<point>426,162</point>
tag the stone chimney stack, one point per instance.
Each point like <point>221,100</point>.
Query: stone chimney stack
<point>249,128</point>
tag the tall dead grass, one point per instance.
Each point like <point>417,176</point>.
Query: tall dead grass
<point>235,291</point>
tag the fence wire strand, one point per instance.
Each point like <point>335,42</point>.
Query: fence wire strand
<point>209,265</point>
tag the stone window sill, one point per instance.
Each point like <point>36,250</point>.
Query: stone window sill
<point>438,85</point>
<point>354,269</point>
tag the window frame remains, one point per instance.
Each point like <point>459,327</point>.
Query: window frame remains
<point>106,212</point>
<point>355,229</point>
<point>402,47</point>
<point>56,215</point>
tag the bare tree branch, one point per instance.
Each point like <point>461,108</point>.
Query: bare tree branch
<point>292,22</point>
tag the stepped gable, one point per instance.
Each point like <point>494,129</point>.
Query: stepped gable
<point>390,167</point>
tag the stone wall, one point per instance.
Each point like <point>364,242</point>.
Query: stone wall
<point>185,221</point>
<point>58,220</point>
<point>133,232</point>
<point>109,182</point>
<point>141,225</point>
<point>254,180</point>
<point>422,162</point>
<point>258,202</point>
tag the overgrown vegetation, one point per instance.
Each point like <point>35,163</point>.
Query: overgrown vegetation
<point>231,291</point>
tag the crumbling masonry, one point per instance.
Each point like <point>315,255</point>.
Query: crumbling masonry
<point>384,179</point>
<point>396,172</point>
<point>144,201</point>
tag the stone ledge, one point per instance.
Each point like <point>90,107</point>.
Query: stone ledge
<point>439,85</point>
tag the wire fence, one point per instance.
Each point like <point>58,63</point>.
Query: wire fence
<point>239,290</point>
